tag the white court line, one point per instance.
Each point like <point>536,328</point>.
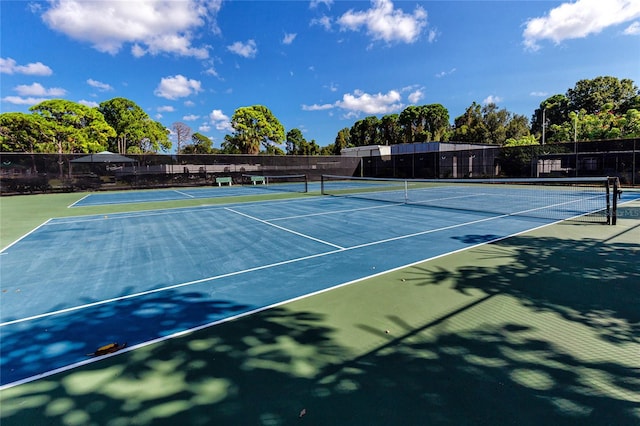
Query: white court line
<point>77,201</point>
<point>3,251</point>
<point>184,193</point>
<point>285,229</point>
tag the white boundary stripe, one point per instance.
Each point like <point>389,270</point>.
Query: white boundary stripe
<point>4,250</point>
<point>254,311</point>
<point>77,201</point>
<point>285,229</point>
<point>184,193</point>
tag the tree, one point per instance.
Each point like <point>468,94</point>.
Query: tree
<point>21,132</point>
<point>516,155</point>
<point>182,134</point>
<point>390,131</point>
<point>200,144</point>
<point>295,140</point>
<point>254,126</point>
<point>136,132</point>
<point>230,145</point>
<point>343,140</point>
<point>489,124</point>
<point>593,95</point>
<point>605,124</point>
<point>553,110</point>
<point>365,132</point>
<point>76,128</point>
<point>409,120</point>
<point>518,128</point>
<point>470,127</point>
<point>436,121</point>
<point>298,145</point>
<point>496,121</point>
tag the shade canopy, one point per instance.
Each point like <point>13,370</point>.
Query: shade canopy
<point>103,157</point>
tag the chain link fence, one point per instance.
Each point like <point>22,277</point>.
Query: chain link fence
<point>29,173</point>
<point>615,158</point>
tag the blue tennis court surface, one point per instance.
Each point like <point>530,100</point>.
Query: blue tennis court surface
<point>174,194</point>
<point>75,284</point>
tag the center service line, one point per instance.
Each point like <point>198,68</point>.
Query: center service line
<point>285,229</point>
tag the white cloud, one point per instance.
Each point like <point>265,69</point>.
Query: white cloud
<point>315,3</point>
<point>177,86</point>
<point>204,128</point>
<point>324,22</point>
<point>491,99</point>
<point>37,89</point>
<point>220,121</point>
<point>578,20</point>
<point>165,108</point>
<point>211,71</point>
<point>445,73</point>
<point>9,66</point>
<point>383,22</point>
<point>433,34</point>
<point>19,100</point>
<point>151,26</point>
<point>538,94</point>
<point>91,104</point>
<point>633,29</point>
<point>103,87</point>
<point>190,117</point>
<point>415,96</point>
<point>246,50</point>
<point>288,38</point>
<point>332,87</point>
<point>360,102</point>
<point>316,107</point>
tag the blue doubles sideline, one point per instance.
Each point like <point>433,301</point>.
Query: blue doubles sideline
<point>75,284</point>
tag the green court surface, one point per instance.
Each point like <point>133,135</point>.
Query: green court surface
<point>539,328</point>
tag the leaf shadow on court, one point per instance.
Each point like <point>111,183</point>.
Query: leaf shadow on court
<point>585,281</point>
<point>265,368</point>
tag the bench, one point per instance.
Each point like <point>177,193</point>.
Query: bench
<point>258,180</point>
<point>224,179</point>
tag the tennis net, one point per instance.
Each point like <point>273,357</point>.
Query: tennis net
<point>583,199</point>
<point>286,183</point>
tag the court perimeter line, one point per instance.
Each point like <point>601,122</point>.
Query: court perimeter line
<point>4,250</point>
<point>285,229</point>
<point>255,311</point>
<point>184,193</point>
<point>77,201</point>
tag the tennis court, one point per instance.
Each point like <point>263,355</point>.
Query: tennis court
<point>76,283</point>
<point>286,184</point>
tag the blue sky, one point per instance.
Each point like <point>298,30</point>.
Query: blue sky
<point>318,65</point>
